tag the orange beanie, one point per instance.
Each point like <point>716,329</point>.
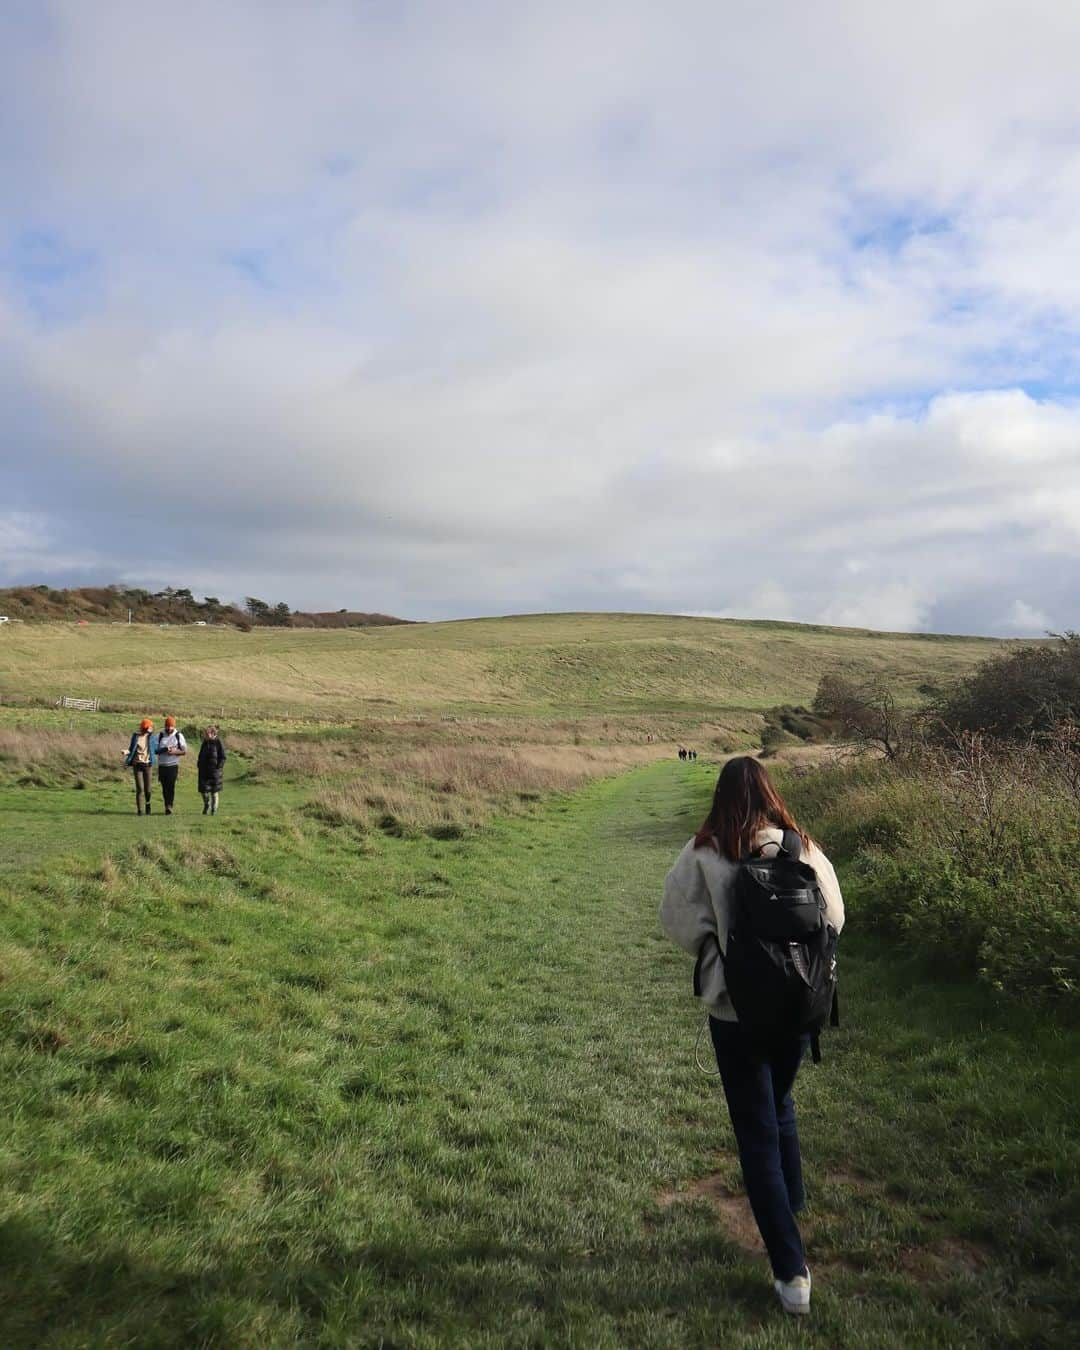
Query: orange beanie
<point>146,725</point>
<point>170,721</point>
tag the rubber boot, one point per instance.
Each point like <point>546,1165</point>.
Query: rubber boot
<point>213,803</point>
<point>206,803</point>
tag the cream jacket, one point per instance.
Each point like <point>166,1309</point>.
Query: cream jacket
<point>697,899</point>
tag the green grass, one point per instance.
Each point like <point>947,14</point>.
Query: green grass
<point>267,1083</point>
<point>547,665</point>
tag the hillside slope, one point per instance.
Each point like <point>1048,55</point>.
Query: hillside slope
<point>538,664</point>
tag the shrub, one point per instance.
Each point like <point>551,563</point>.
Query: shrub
<point>930,901</point>
<point>727,743</point>
<point>1017,694</point>
<point>788,725</point>
<point>1030,947</point>
<point>773,737</point>
<point>966,853</point>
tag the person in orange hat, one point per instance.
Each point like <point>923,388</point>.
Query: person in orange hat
<point>142,756</point>
<point>171,747</point>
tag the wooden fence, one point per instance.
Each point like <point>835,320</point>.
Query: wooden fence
<point>81,704</point>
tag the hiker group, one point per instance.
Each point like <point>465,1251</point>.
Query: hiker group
<point>687,754</point>
<point>165,750</point>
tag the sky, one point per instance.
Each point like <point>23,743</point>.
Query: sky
<point>765,309</point>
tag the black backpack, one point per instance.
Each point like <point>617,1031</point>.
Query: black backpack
<point>780,963</point>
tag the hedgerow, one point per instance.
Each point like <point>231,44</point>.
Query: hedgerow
<point>966,854</point>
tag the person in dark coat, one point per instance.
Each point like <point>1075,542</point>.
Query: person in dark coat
<point>212,759</point>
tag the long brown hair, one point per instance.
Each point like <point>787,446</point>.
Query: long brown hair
<point>743,803</point>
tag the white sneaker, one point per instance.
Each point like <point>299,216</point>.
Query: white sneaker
<point>794,1294</point>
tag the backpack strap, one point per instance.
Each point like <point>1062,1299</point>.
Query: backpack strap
<point>834,1021</point>
<point>792,844</point>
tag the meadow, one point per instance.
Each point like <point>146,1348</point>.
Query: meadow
<point>536,665</point>
<point>392,1052</point>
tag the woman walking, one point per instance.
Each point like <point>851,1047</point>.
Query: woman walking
<point>749,818</point>
<point>212,759</point>
<point>142,756</point>
<point>171,748</point>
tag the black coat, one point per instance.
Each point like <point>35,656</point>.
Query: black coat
<point>212,759</point>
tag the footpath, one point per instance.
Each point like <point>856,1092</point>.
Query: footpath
<point>938,1133</point>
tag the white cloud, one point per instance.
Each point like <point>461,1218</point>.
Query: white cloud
<point>1026,618</point>
<point>27,541</point>
<point>892,608</point>
<point>467,308</point>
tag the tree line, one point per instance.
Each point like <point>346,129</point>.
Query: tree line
<point>171,604</point>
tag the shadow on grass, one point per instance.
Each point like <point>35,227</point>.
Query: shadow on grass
<point>47,1290</point>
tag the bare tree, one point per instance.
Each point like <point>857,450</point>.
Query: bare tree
<point>983,787</point>
<point>864,712</point>
<point>1062,748</point>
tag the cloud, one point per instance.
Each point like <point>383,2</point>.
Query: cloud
<point>896,607</point>
<point>27,541</point>
<point>460,309</point>
<point>1025,618</point>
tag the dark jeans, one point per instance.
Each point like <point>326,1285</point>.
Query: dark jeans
<point>142,786</point>
<point>758,1092</point>
<point>167,778</point>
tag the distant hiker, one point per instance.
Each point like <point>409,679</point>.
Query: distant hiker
<point>142,756</point>
<point>212,759</point>
<point>682,753</point>
<point>171,747</point>
<point>765,972</point>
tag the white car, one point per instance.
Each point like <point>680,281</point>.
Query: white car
<point>4,618</point>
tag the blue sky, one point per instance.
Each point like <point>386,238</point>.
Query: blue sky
<point>451,309</point>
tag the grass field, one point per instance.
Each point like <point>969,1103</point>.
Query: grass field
<point>392,1052</point>
<point>546,665</point>
<point>273,1083</point>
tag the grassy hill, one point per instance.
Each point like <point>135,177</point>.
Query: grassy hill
<point>536,665</point>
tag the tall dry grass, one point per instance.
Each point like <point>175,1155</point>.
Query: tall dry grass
<point>32,757</point>
<point>435,776</point>
<point>445,789</point>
